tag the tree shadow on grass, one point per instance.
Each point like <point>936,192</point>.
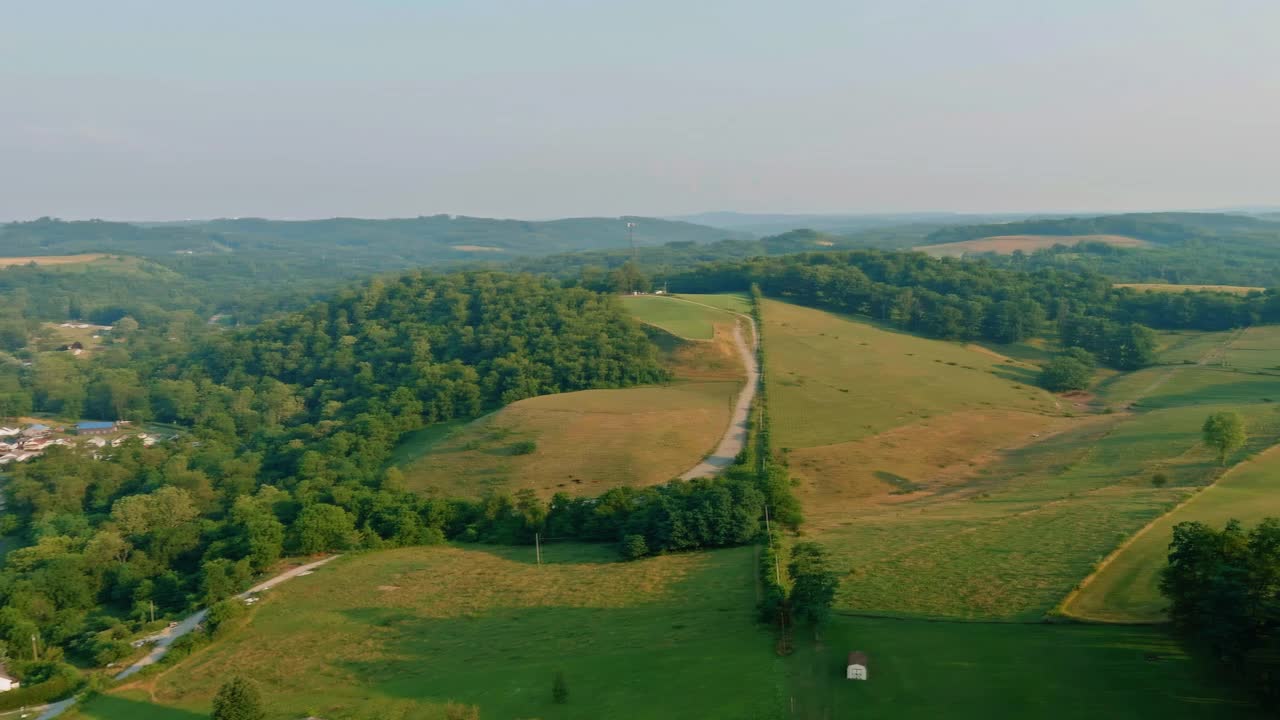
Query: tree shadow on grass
<point>506,658</point>
<point>553,553</point>
<point>114,707</point>
<point>1015,373</point>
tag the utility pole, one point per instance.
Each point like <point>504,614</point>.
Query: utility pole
<point>537,544</point>
<point>35,654</point>
<point>777,569</point>
<point>153,610</point>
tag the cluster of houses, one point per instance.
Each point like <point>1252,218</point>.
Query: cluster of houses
<point>19,444</point>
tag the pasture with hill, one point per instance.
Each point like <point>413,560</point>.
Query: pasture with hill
<point>403,633</point>
<point>458,437</point>
<point>583,443</point>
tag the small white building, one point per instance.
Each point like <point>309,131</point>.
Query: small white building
<point>10,431</point>
<point>857,666</point>
<point>7,681</point>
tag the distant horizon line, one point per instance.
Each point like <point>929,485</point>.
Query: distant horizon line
<point>681,217</point>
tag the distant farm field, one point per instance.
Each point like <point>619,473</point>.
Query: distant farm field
<point>400,633</point>
<point>927,670</point>
<point>1166,287</point>
<point>50,259</point>
<point>1006,244</point>
<point>1127,588</point>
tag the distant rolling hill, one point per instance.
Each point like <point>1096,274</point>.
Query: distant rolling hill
<point>238,264</point>
<point>359,244</point>
<point>1168,228</point>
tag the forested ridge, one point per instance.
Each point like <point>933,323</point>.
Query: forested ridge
<point>288,429</point>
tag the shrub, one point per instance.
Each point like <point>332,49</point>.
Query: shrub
<point>633,547</point>
<point>524,447</point>
<point>1159,479</point>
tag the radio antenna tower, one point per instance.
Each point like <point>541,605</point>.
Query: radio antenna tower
<point>635,257</point>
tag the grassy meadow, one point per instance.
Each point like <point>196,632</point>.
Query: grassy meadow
<point>586,442</point>
<point>948,491</point>
<point>400,633</point>
<point>1127,588</point>
<point>678,317</point>
<point>734,302</point>
<point>926,670</point>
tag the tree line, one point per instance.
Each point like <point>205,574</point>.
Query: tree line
<point>1223,587</point>
<point>974,300</point>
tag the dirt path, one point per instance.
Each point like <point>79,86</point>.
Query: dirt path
<point>735,436</point>
<point>166,638</point>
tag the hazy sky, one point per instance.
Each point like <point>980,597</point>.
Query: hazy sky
<point>161,110</point>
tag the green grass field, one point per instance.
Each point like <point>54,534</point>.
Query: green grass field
<point>925,670</point>
<point>680,318</point>
<point>735,302</point>
<point>833,379</point>
<point>399,633</point>
<point>1127,588</point>
<point>966,497</point>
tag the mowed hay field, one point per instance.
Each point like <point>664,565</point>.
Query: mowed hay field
<point>1127,588</point>
<point>1170,288</point>
<point>50,259</point>
<point>1006,244</point>
<point>925,670</point>
<point>962,494</point>
<point>834,382</point>
<point>1239,374</point>
<point>587,442</point>
<point>399,633</point>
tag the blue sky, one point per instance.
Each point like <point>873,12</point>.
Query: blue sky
<point>164,110</point>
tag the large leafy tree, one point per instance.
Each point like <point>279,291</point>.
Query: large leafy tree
<point>1224,432</point>
<point>238,699</point>
<point>813,583</point>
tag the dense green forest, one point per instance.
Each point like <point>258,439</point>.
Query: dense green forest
<point>287,429</point>
<point>289,425</point>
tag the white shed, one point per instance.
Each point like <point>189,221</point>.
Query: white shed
<point>7,681</point>
<point>857,666</point>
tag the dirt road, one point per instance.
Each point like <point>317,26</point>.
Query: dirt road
<point>735,436</point>
<point>165,639</point>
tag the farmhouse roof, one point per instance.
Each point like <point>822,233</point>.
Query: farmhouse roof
<point>37,427</point>
<point>95,425</point>
<point>858,657</point>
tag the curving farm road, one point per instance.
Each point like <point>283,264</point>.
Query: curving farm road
<point>735,436</point>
